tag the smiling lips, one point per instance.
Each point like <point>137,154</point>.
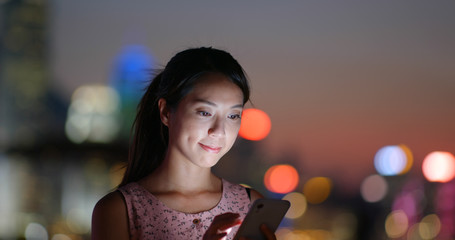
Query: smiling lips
<point>210,149</point>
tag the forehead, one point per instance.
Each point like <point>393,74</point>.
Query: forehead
<point>215,87</point>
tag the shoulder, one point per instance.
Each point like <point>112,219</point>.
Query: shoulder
<point>112,201</point>
<point>110,218</point>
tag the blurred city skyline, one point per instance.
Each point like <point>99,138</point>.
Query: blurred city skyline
<point>354,91</point>
<point>340,80</point>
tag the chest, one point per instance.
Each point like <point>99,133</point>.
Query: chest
<point>194,203</point>
<point>153,218</point>
<point>150,218</point>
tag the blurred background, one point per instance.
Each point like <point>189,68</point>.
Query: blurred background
<point>354,101</point>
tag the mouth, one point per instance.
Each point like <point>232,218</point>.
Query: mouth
<point>210,149</point>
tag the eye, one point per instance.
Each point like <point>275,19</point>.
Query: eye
<point>204,113</point>
<point>234,116</point>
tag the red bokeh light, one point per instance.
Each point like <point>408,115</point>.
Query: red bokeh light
<point>281,178</point>
<point>255,124</point>
<point>439,167</point>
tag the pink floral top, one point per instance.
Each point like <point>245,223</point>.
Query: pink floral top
<point>149,218</point>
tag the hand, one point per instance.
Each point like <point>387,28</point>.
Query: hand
<point>220,224</point>
<point>269,235</point>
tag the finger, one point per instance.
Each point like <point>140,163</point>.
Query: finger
<point>267,232</point>
<point>221,223</point>
<point>230,224</point>
<point>225,221</point>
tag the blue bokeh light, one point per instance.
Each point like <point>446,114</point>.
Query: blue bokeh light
<point>390,160</point>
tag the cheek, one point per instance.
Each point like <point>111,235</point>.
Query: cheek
<point>233,131</point>
<point>237,127</point>
<point>184,131</point>
<point>194,131</point>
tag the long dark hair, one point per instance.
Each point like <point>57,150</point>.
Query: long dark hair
<point>150,135</point>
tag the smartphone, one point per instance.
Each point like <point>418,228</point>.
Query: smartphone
<point>268,211</point>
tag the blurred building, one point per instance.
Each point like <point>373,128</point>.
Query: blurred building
<point>25,116</point>
<point>49,184</point>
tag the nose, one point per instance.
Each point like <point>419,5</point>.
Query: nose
<point>217,128</point>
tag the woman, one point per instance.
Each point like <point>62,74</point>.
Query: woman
<point>188,118</point>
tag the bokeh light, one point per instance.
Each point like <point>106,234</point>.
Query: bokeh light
<point>430,226</point>
<point>374,188</point>
<point>281,233</point>
<point>298,205</point>
<point>255,125</point>
<point>439,166</point>
<point>129,78</point>
<point>409,158</point>
<point>292,234</point>
<point>396,224</point>
<point>297,234</point>
<point>344,226</point>
<point>78,221</point>
<point>318,234</point>
<point>281,178</point>
<point>92,115</point>
<point>131,66</point>
<point>413,233</point>
<point>445,208</point>
<point>410,202</point>
<point>35,231</point>
<point>317,189</point>
<point>392,160</point>
<point>60,237</point>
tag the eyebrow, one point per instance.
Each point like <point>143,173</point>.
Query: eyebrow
<point>214,104</point>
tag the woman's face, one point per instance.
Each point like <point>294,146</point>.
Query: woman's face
<point>206,122</point>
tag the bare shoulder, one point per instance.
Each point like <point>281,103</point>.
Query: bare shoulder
<point>111,201</point>
<point>255,195</point>
<point>110,218</point>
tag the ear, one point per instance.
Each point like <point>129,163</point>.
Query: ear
<point>164,111</point>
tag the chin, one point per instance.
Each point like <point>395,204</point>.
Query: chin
<point>208,163</point>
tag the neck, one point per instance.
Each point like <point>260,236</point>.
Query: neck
<point>185,178</point>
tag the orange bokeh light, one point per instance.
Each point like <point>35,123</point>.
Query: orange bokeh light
<point>255,124</point>
<point>317,189</point>
<point>281,178</point>
<point>409,158</point>
<point>439,167</point>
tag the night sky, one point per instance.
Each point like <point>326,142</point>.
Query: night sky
<point>339,79</point>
